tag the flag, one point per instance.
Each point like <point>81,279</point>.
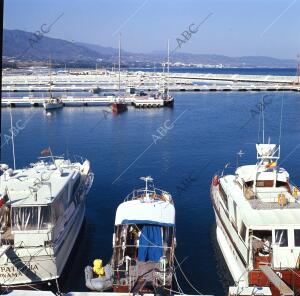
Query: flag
<point>4,198</point>
<point>46,152</point>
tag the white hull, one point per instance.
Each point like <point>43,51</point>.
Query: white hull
<point>235,266</point>
<point>43,267</point>
<point>51,106</point>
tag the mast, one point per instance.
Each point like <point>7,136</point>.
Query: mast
<point>12,138</point>
<point>147,179</point>
<point>298,69</point>
<point>168,66</point>
<point>50,77</point>
<point>119,64</point>
<point>263,119</point>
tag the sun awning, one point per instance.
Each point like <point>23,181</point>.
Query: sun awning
<point>139,212</point>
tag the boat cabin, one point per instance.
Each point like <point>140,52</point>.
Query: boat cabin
<point>144,241</point>
<point>38,201</point>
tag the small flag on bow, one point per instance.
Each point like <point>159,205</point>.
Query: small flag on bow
<point>46,152</point>
<point>4,198</point>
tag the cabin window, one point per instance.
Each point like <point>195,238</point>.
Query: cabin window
<point>281,184</point>
<point>266,183</point>
<point>261,241</point>
<point>235,211</point>
<point>281,237</point>
<point>297,237</point>
<point>223,196</point>
<point>31,218</point>
<point>243,231</point>
<point>249,183</point>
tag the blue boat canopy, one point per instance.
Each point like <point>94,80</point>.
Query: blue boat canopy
<point>150,244</point>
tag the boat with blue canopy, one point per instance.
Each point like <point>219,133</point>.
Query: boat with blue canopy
<point>144,242</point>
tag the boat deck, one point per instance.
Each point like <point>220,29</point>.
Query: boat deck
<point>258,204</point>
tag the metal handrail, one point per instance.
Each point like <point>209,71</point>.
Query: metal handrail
<point>154,246</point>
<point>142,191</point>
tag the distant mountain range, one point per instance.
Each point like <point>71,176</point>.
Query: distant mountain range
<point>25,46</point>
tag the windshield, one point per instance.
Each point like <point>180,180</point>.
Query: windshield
<point>31,218</point>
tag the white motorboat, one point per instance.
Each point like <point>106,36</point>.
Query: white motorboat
<point>143,245</point>
<point>41,213</point>
<point>257,210</point>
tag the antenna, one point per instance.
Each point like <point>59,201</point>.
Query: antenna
<point>263,117</point>
<point>147,179</point>
<point>239,155</point>
<point>12,138</point>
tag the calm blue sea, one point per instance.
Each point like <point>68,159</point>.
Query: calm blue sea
<point>207,130</point>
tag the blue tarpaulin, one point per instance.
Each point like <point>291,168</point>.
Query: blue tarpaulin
<point>150,246</point>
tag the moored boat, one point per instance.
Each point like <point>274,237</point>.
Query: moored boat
<point>257,211</point>
<point>118,106</point>
<point>143,245</point>
<point>41,212</point>
<point>53,103</point>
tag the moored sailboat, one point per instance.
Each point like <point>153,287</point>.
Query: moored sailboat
<point>119,104</point>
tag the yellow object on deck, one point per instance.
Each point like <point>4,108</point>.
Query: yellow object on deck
<point>282,199</point>
<point>295,192</point>
<point>98,269</point>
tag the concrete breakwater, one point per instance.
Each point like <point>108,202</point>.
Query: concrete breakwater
<point>147,81</point>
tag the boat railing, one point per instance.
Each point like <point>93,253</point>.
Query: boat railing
<point>282,198</point>
<point>134,272</point>
<point>154,246</point>
<point>154,193</point>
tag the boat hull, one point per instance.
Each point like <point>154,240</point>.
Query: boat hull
<point>230,251</point>
<point>22,271</point>
<point>53,106</point>
<point>237,266</point>
<point>119,107</point>
<point>169,103</point>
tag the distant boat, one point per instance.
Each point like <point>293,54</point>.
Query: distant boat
<point>53,103</point>
<point>119,104</point>
<point>165,92</point>
<point>96,90</point>
<point>143,245</point>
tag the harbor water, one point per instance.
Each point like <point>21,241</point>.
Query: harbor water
<point>180,147</point>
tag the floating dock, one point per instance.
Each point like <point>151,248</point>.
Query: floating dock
<point>137,102</point>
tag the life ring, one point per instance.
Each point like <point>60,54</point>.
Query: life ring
<point>215,180</point>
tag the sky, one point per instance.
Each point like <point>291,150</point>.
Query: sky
<point>226,27</point>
